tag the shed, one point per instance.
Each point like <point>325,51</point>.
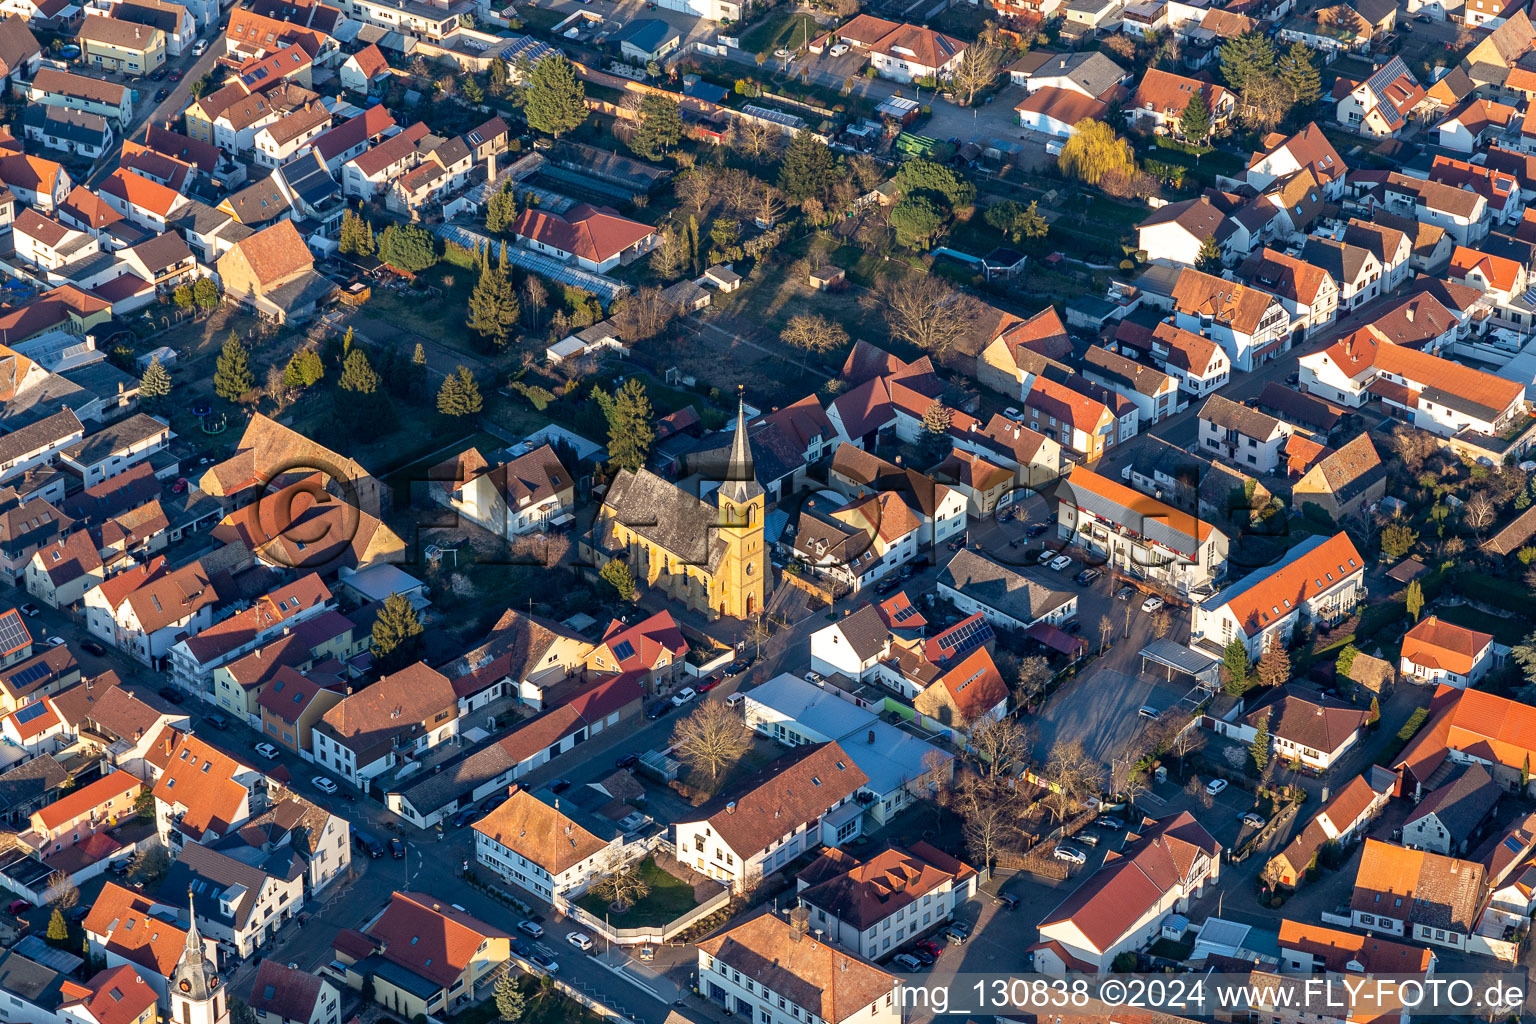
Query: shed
<point>164,353</point>
<point>827,278</point>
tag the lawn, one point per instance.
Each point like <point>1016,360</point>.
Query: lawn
<point>669,899</point>
<point>1505,630</point>
<point>440,317</point>
<point>779,31</point>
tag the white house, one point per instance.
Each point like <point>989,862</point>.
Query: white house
<point>1440,652</point>
<point>1251,439</point>
<point>596,240</point>
<point>536,847</point>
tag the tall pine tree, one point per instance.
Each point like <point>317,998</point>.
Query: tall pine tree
<point>397,634</point>
<point>1208,260</point>
<point>459,394</point>
<point>808,170</point>
<point>630,426</point>
<point>493,306</point>
<point>155,386</point>
<point>1245,58</point>
<point>232,377</point>
<point>1300,74</point>
<point>555,102</point>
<point>1195,123</point>
<point>357,374</point>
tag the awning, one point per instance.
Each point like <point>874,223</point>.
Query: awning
<point>1171,655</point>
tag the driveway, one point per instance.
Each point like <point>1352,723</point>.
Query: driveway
<point>994,120</point>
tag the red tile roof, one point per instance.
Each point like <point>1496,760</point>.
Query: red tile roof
<point>430,938</point>
<point>83,800</point>
<point>974,685</point>
<point>201,778</point>
<point>589,232</point>
<point>123,918</point>
<point>1280,593</point>
<point>137,190</point>
<point>1435,643</point>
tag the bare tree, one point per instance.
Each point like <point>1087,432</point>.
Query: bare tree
<point>642,314</point>
<point>814,333</point>
<point>696,189</point>
<point>711,739</point>
<point>669,256</point>
<point>737,190</point>
<point>756,140</point>
<point>62,893</point>
<point>1184,743</point>
<point>535,300</point>
<point>978,69</point>
<point>768,205</point>
<point>926,312</point>
<point>622,886</point>
<point>1479,512</point>
<point>1161,622</point>
<point>1000,745</point>
<point>759,632</point>
<point>1122,46</point>
<point>278,389</point>
<point>1071,774</point>
<point>989,817</point>
<point>1034,676</point>
<point>1106,630</point>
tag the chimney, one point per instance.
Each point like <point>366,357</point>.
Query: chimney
<point>513,789</point>
<point>730,808</point>
<point>871,736</point>
<point>490,168</point>
<point>799,918</point>
<point>1408,312</point>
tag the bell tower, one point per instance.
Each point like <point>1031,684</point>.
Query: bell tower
<point>196,993</point>
<point>742,502</point>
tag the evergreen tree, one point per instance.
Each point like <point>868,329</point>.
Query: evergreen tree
<point>205,293</point>
<point>1208,260</point>
<point>556,102</point>
<point>356,235</point>
<point>407,247</point>
<point>660,128</point>
<point>630,429</point>
<point>305,369</point>
<point>1375,715</point>
<point>617,574</point>
<point>357,374</point>
<point>182,296</point>
<point>1275,663</point>
<point>501,208</point>
<point>416,375</point>
<point>493,307</point>
<point>808,170</point>
<point>472,91</point>
<point>509,999</point>
<point>232,377</point>
<point>58,931</point>
<point>1247,58</point>
<point>1258,750</point>
<point>1414,599</point>
<point>398,634</point>
<point>1195,122</point>
<point>1300,74</point>
<point>1234,666</point>
<point>459,394</point>
<point>155,385</point>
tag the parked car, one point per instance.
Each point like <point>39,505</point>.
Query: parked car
<point>323,784</point>
<point>932,947</point>
<point>838,50</point>
<point>954,933</point>
<point>709,684</point>
<point>1124,593</point>
<point>1070,854</point>
<point>530,928</point>
<point>55,641</point>
<point>815,677</point>
<point>464,815</point>
<point>1061,562</point>
<point>559,785</point>
<point>1087,576</point>
<point>78,913</point>
<point>1073,626</point>
<point>922,956</point>
<point>200,48</point>
<point>1036,529</point>
<point>1152,604</point>
<point>1044,556</point>
<point>1148,711</point>
<point>658,709</point>
<point>627,761</point>
<point>1013,413</point>
<point>169,693</point>
<point>684,696</point>
<point>1087,838</point>
<point>1008,902</point>
<point>1111,823</point>
<point>396,848</point>
<point>161,94</point>
<point>217,721</point>
<point>266,750</point>
<point>19,907</point>
<point>1253,819</point>
<point>545,959</point>
<point>29,609</point>
<point>907,962</point>
<point>176,76</point>
<point>1004,514</point>
<point>1293,379</point>
<point>1216,786</point>
<point>580,940</point>
<point>888,586</point>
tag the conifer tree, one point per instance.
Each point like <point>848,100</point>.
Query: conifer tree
<point>357,374</point>
<point>1299,72</point>
<point>397,634</point>
<point>232,377</point>
<point>556,102</point>
<point>155,385</point>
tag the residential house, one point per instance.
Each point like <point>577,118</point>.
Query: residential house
<point>870,906</point>
<point>596,239</point>
<point>1381,105</point>
<point>116,448</point>
<point>1057,112</point>
<point>903,53</point>
<point>1304,726</point>
<point>1356,270</point>
<point>1445,654</point>
<point>653,650</point>
<point>281,994</point>
<point>1012,596</point>
<point>1154,393</point>
<point>121,47</point>
<point>202,794</point>
<point>1451,815</point>
<point>1018,352</point>
<point>968,693</point>
<point>765,965</point>
<point>381,726</point>
<point>423,956</point>
<point>369,173</point>
<point>194,659</point>
<point>1471,126</point>
<point>1163,865</point>
<point>1250,325</point>
<point>127,927</point>
<point>1162,97</point>
<point>1250,438</point>
<point>1308,149</point>
<point>1308,291</point>
<point>1468,726</point>
<point>1344,483</point>
<point>364,70</point>
<point>526,493</point>
<point>272,272</point>
<point>141,200</point>
<point>145,610</point>
<point>1391,245</point>
<point>81,814</point>
<point>1342,818</point>
<point>853,645</point>
<point>290,706</point>
<point>521,657</point>
<point>535,846</point>
<point>799,802</point>
<point>239,903</point>
<point>1417,895</point>
<point>1320,580</point>
<point>60,574</point>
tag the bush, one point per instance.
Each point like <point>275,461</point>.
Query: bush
<point>1165,142</point>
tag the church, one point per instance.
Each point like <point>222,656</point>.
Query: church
<point>708,556</point>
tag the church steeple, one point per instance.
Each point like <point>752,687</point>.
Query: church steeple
<point>740,484</point>
<point>194,979</point>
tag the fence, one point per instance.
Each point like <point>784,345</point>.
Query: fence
<point>647,933</point>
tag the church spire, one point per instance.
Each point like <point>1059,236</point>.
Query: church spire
<point>194,978</point>
<point>194,951</point>
<point>740,485</point>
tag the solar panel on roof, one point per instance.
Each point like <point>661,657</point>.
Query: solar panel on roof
<point>1512,844</point>
<point>624,651</point>
<point>31,711</point>
<point>29,675</point>
<point>904,614</point>
<point>13,632</point>
<point>966,637</point>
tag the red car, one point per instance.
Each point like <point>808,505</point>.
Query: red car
<point>710,684</point>
<point>932,947</point>
<point>175,76</point>
<point>19,907</point>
